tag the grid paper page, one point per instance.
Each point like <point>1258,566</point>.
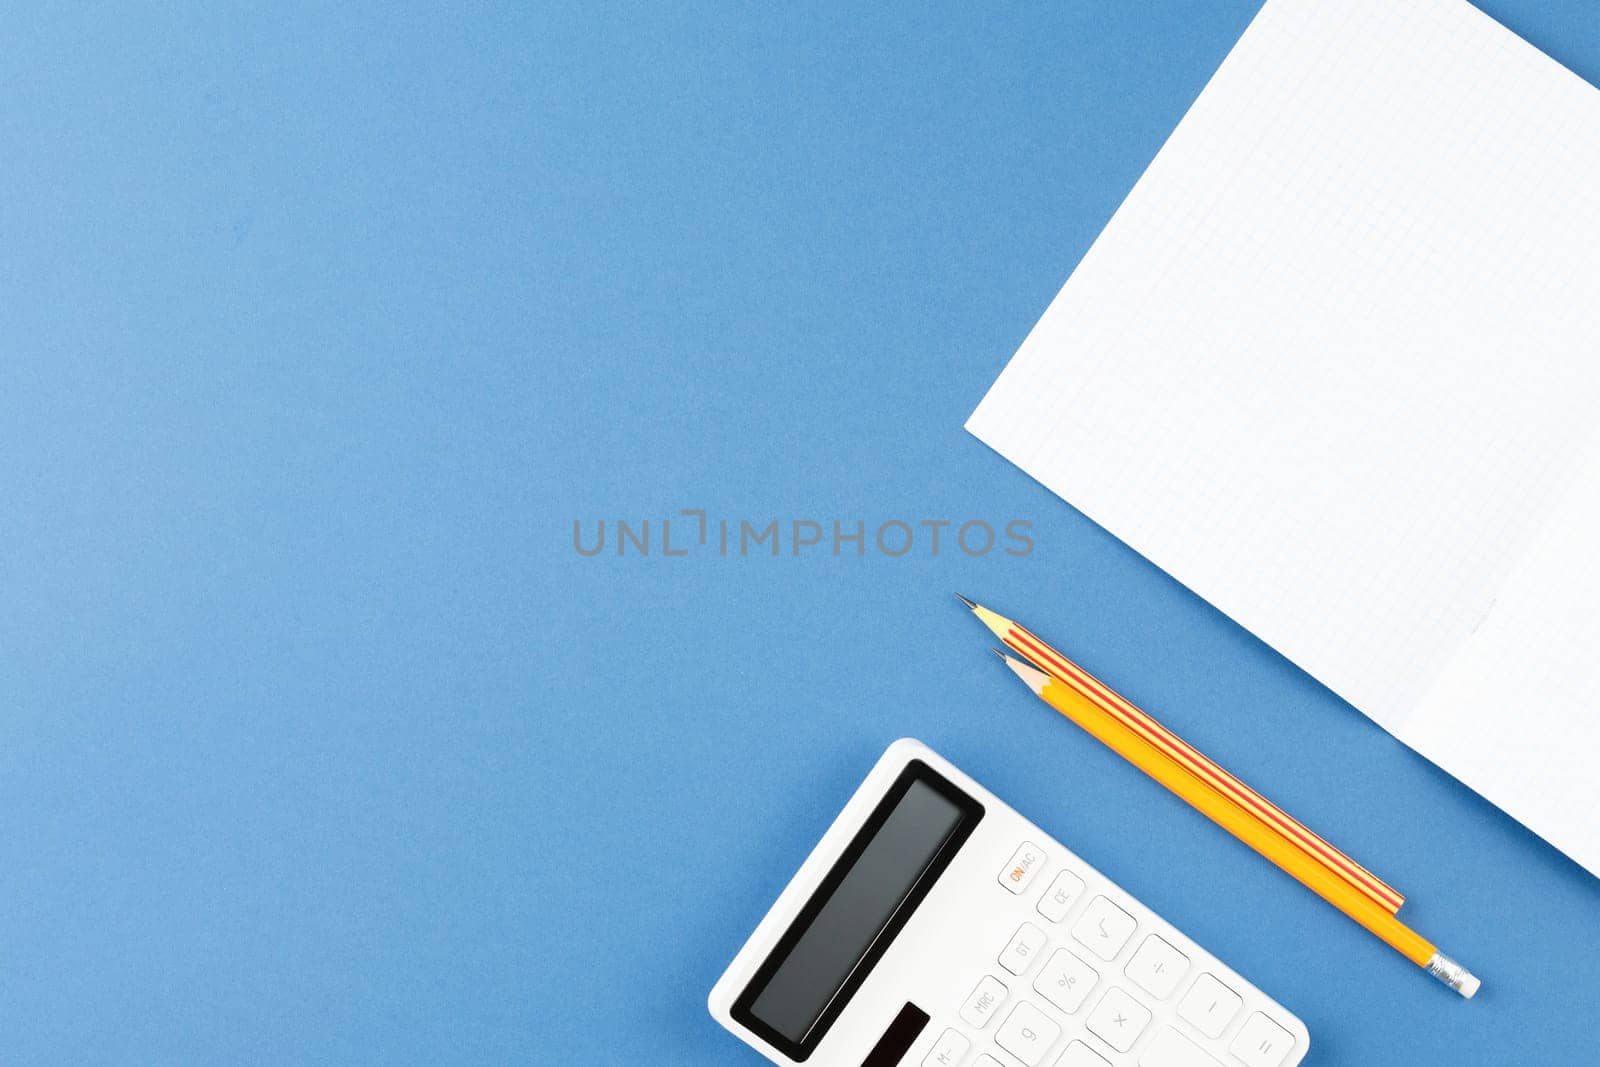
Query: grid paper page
<point>1514,714</point>
<point>1335,357</point>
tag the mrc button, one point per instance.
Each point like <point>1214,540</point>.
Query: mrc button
<point>1026,862</point>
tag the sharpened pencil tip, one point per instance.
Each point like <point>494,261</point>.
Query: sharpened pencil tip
<point>965,601</point>
<point>1002,655</point>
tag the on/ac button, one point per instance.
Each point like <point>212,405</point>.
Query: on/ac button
<point>1025,863</point>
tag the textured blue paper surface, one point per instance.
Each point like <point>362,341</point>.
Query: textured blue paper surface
<point>321,741</point>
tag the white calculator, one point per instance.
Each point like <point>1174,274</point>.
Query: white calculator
<point>932,926</point>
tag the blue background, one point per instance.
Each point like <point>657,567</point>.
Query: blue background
<point>320,329</point>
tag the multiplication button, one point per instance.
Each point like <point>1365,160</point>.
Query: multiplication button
<point>1118,1019</point>
<point>1026,862</point>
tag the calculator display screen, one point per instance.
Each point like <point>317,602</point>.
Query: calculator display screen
<point>859,907</point>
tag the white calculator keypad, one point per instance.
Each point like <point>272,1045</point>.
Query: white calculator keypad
<point>1006,950</point>
<point>1092,985</point>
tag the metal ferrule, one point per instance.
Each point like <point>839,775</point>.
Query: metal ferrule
<point>1452,974</point>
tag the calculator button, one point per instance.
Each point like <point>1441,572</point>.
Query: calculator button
<point>1065,981</point>
<point>1027,943</point>
<point>1027,1034</point>
<point>951,1048</point>
<point>1059,898</point>
<point>983,1002</point>
<point>1118,1019</point>
<point>1261,1042</point>
<point>1080,1055</point>
<point>1172,1049</point>
<point>1025,863</point>
<point>1210,1006</point>
<point>1104,928</point>
<point>988,1061</point>
<point>1157,967</point>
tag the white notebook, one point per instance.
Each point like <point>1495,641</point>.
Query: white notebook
<point>1335,365</point>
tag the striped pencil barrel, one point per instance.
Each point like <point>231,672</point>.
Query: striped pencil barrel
<point>1052,662</point>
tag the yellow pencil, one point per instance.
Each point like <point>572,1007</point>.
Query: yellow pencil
<point>1244,825</point>
<point>1033,648</point>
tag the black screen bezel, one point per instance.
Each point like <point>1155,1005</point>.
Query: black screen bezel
<point>970,813</point>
